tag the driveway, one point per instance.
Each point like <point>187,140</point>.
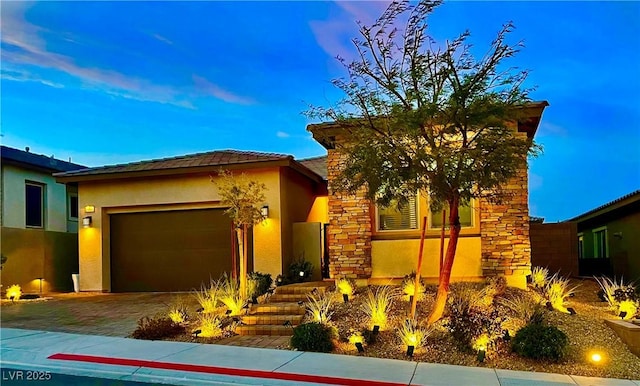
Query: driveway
<point>88,313</point>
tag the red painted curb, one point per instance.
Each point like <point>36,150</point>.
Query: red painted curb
<point>221,370</point>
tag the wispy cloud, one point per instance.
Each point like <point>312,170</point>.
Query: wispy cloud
<point>550,129</point>
<point>162,39</point>
<point>25,45</point>
<point>204,86</point>
<point>23,76</point>
<point>282,134</point>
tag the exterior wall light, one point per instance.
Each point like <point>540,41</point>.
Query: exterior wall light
<point>89,209</point>
<point>86,222</point>
<point>265,211</point>
<point>40,279</point>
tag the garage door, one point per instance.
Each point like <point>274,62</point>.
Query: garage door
<point>169,251</point>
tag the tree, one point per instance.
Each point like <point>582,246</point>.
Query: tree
<point>245,198</point>
<point>429,118</point>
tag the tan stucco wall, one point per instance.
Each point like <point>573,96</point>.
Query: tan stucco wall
<point>34,253</point>
<point>397,258</point>
<point>167,193</point>
<point>13,198</point>
<point>320,210</point>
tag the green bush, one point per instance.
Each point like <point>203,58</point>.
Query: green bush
<point>259,283</point>
<point>298,266</point>
<point>312,337</point>
<point>539,341</point>
<point>157,328</point>
<point>469,319</point>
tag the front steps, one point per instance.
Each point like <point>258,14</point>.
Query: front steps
<point>282,311</point>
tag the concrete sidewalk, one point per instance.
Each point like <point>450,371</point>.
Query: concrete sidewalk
<point>181,363</point>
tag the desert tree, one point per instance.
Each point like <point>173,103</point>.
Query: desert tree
<point>429,117</point>
<point>244,198</point>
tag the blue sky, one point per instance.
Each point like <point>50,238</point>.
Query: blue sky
<point>112,82</point>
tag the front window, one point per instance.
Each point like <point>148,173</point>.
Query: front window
<point>396,218</point>
<point>600,243</point>
<point>34,205</point>
<point>73,207</point>
<point>465,213</point>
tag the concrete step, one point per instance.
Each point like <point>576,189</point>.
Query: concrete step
<point>277,308</point>
<point>264,330</point>
<point>291,298</point>
<point>272,319</point>
<point>303,288</point>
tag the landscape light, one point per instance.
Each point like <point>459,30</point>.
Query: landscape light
<point>410,351</point>
<point>359,347</point>
<point>482,353</point>
<point>595,357</point>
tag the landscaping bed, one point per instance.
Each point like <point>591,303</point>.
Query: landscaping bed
<point>586,331</point>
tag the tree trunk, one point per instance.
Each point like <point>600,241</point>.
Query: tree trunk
<point>414,300</point>
<point>445,273</point>
<point>243,267</point>
<point>245,258</point>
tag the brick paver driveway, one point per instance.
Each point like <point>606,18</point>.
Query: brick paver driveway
<point>87,313</point>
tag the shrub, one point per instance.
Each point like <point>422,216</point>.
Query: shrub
<point>409,284</point>
<point>539,277</point>
<point>557,291</point>
<point>539,341</point>
<point>345,286</point>
<point>376,305</point>
<point>208,297</point>
<point>469,320</point>
<point>312,337</point>
<point>629,307</point>
<point>495,286</point>
<point>300,270</point>
<point>523,309</point>
<point>210,325</point>
<point>230,295</point>
<point>621,297</point>
<point>178,312</point>
<point>157,328</point>
<point>320,307</point>
<point>412,335</point>
<point>14,292</point>
<point>258,284</point>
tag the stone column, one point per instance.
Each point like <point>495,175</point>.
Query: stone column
<point>349,234</point>
<point>504,228</point>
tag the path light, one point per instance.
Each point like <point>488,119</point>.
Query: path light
<point>40,279</point>
<point>622,314</point>
<point>410,351</point>
<point>357,339</point>
<point>595,357</point>
<point>196,333</point>
<point>301,273</point>
<point>359,347</point>
<point>482,353</point>
<point>571,310</point>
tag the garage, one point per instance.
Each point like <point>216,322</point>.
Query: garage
<point>168,250</point>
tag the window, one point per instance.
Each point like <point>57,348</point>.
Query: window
<point>34,204</point>
<point>465,212</point>
<point>600,249</point>
<point>394,218</point>
<point>580,246</point>
<point>73,207</point>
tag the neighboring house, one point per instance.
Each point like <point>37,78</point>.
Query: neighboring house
<point>39,222</point>
<point>609,239</point>
<point>378,244</point>
<point>159,225</point>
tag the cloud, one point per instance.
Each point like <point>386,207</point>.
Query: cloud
<point>282,134</point>
<point>23,76</point>
<point>162,39</point>
<point>24,45</point>
<point>203,85</point>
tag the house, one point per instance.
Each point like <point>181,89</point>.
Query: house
<point>159,225</point>
<point>608,242</point>
<point>379,244</point>
<point>39,221</point>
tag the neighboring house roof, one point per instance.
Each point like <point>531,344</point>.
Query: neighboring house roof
<point>191,163</point>
<point>36,161</point>
<point>317,164</point>
<point>620,205</point>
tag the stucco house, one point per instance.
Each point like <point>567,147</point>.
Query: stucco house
<point>608,242</point>
<point>39,221</point>
<point>158,225</point>
<point>378,244</point>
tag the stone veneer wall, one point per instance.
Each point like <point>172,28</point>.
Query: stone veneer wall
<point>504,230</point>
<point>349,234</point>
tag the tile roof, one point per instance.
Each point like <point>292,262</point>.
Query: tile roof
<point>213,158</point>
<point>317,165</point>
<point>39,161</point>
<point>632,197</point>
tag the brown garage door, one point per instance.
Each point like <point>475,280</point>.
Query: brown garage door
<point>169,251</point>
